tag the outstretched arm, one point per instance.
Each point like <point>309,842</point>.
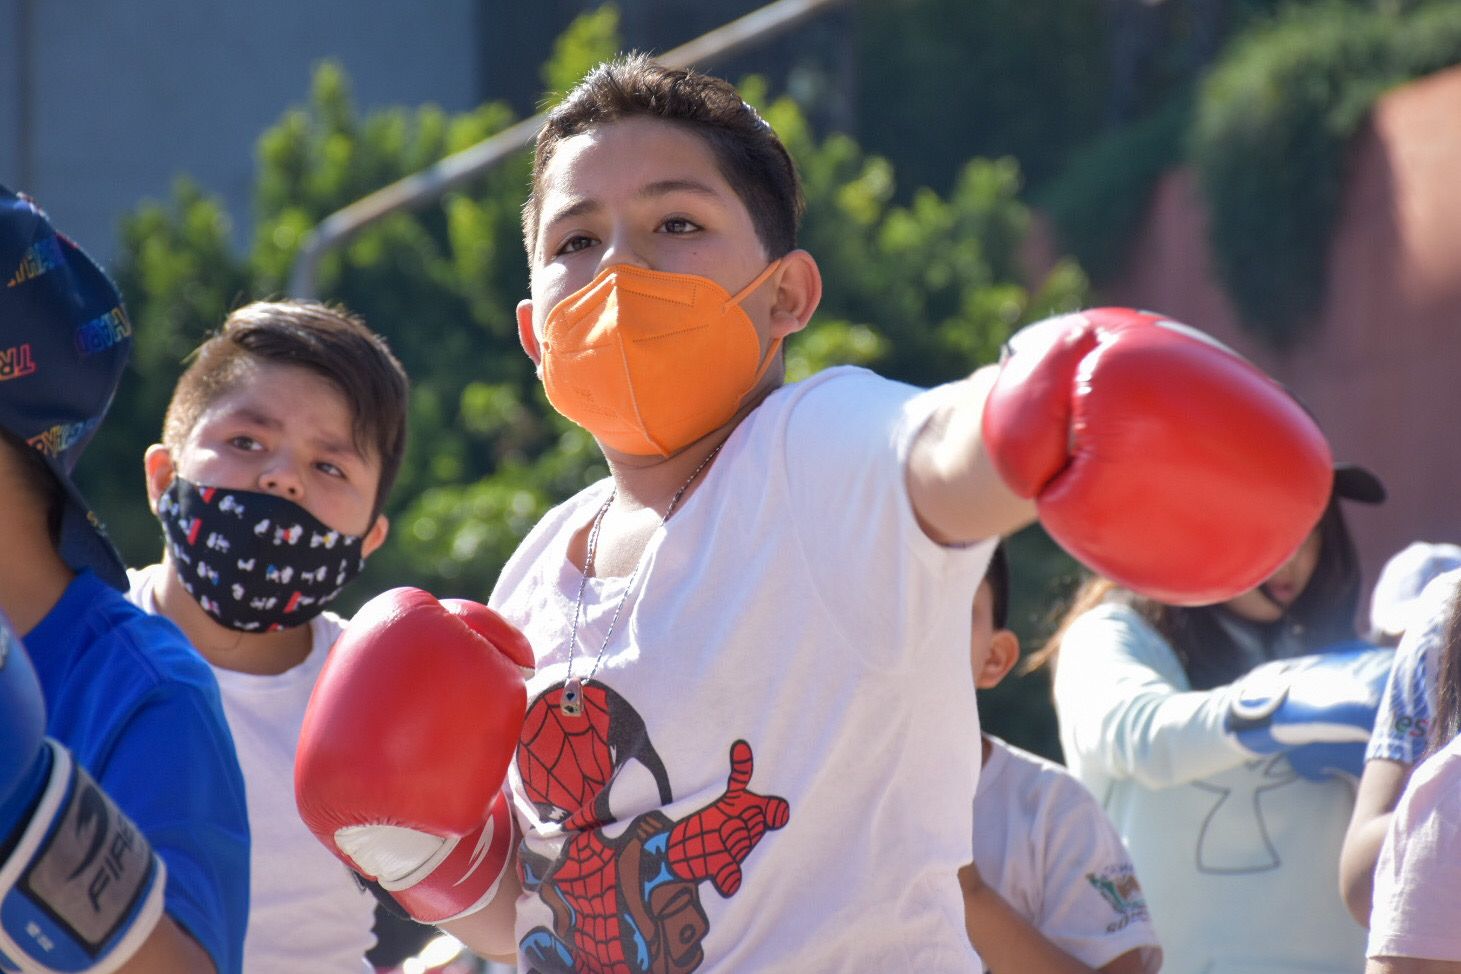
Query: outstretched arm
<point>953,484</point>
<point>1110,421</point>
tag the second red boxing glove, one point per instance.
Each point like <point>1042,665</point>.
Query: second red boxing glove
<point>405,747</point>
<point>1156,455</point>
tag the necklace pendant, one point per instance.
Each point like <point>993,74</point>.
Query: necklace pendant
<point>572,703</point>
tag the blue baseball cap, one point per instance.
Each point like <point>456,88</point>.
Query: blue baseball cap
<point>64,341</point>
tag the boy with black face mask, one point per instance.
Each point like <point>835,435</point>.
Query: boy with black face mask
<point>279,447</point>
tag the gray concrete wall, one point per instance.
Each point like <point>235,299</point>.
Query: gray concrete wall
<point>124,97</point>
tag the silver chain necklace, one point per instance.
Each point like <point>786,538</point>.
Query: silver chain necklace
<point>572,701</point>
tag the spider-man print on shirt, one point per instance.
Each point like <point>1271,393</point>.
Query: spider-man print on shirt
<point>628,903</point>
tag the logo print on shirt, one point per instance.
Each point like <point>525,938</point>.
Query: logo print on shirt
<point>1119,888</point>
<point>631,902</point>
<point>1234,837</point>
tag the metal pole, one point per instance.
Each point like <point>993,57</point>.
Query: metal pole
<point>432,183</point>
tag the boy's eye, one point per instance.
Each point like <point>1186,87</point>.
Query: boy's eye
<point>325,467</point>
<point>244,443</point>
<point>678,224</point>
<point>575,243</point>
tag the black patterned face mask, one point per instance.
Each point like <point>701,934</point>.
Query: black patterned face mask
<point>255,562</point>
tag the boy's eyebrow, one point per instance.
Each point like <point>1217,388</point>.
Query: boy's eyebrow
<point>662,187</point>
<point>254,416</point>
<point>338,448</point>
<point>325,444</point>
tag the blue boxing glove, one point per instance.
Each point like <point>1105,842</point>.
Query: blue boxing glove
<point>80,888</point>
<point>1320,709</point>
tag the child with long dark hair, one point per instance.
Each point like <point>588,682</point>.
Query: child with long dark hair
<point>1220,739</point>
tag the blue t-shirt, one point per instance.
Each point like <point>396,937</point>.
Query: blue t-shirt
<point>139,708</point>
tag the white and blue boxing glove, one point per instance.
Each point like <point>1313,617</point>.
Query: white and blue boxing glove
<point>80,887</point>
<point>1319,709</point>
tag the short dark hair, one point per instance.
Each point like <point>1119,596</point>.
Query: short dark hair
<point>998,577</point>
<point>328,341</point>
<point>747,151</point>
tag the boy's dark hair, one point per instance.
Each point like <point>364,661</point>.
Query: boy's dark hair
<point>328,341</point>
<point>747,151</point>
<point>998,577</point>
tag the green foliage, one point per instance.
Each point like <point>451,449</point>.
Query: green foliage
<point>1272,125</point>
<point>923,292</point>
<point>940,81</point>
<point>1097,204</point>
<point>591,38</point>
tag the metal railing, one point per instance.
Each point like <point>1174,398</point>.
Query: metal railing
<point>430,184</point>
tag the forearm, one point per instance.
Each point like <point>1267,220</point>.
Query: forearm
<point>1006,941</point>
<point>1411,965</point>
<point>489,931</point>
<point>1124,713</point>
<point>169,949</point>
<point>1161,741</point>
<point>1379,790</point>
<point>953,485</point>
<point>1357,865</point>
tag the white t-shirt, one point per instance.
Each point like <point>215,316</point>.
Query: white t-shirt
<point>780,746</point>
<point>1403,725</point>
<point>1418,877</point>
<point>1042,841</point>
<point>1238,856</point>
<point>306,911</point>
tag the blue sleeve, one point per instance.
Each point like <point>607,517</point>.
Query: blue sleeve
<point>174,771</point>
<point>1403,724</point>
<point>140,710</point>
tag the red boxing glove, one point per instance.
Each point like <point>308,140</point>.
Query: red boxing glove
<point>406,744</point>
<point>1157,456</point>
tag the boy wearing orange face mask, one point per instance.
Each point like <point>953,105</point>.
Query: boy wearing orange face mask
<point>751,741</point>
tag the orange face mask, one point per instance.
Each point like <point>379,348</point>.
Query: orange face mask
<point>649,362</point>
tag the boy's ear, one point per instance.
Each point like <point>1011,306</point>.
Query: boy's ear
<point>375,536</point>
<point>1004,653</point>
<point>525,333</point>
<point>798,292</point>
<point>157,465</point>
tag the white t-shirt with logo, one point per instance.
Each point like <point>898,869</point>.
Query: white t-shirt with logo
<point>306,911</point>
<point>1418,876</point>
<point>779,747</point>
<point>1042,841</point>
